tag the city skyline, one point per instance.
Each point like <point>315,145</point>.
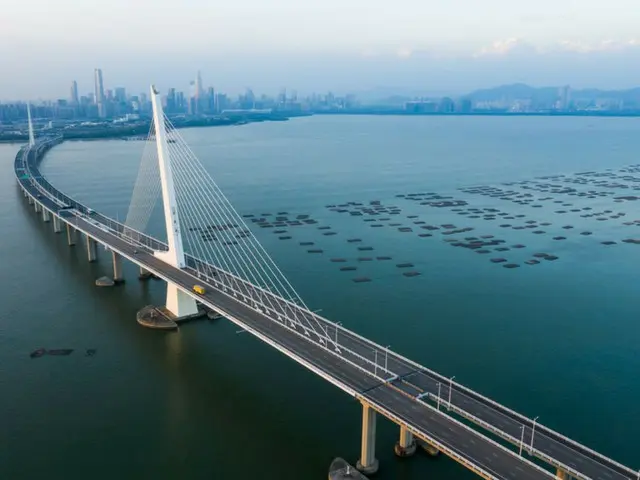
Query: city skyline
<point>445,48</point>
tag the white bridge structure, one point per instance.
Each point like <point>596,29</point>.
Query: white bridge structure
<point>209,244</point>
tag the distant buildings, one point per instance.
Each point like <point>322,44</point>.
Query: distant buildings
<point>106,104</point>
<point>99,93</point>
<point>564,98</point>
<point>74,93</point>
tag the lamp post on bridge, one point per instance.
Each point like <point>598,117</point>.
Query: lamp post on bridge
<point>386,354</point>
<point>450,388</point>
<point>375,359</point>
<point>533,431</point>
<point>438,404</point>
<point>338,324</point>
<point>521,440</point>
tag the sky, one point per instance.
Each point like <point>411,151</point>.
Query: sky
<point>404,46</point>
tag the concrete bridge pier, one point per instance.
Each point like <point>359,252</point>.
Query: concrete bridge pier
<point>406,446</point>
<point>57,224</point>
<point>92,249</point>
<point>46,215</point>
<point>368,463</point>
<point>117,268</point>
<point>144,274</point>
<point>31,200</point>
<point>71,235</point>
<point>37,207</point>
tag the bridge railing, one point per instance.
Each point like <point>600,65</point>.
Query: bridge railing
<point>142,239</point>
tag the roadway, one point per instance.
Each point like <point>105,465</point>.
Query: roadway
<point>469,444</point>
<point>352,362</point>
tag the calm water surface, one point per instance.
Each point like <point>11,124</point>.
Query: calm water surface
<point>557,340</point>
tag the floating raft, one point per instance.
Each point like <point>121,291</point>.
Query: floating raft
<point>361,279</point>
<point>60,351</point>
<point>411,274</point>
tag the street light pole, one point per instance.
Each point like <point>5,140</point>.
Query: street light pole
<point>336,340</point>
<point>375,359</point>
<point>521,440</point>
<point>450,388</point>
<point>386,354</point>
<point>439,385</point>
<point>533,431</point>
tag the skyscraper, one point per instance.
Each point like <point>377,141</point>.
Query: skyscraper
<point>74,93</point>
<point>99,92</point>
<point>199,88</point>
<point>564,97</point>
<point>199,94</point>
<point>121,94</point>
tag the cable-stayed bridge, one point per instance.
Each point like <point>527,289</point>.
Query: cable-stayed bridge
<point>210,246</point>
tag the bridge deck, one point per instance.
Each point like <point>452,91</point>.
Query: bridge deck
<point>352,369</point>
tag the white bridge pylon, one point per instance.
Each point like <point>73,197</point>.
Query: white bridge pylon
<point>32,139</point>
<point>178,302</point>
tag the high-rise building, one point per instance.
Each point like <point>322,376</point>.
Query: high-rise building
<point>564,97</point>
<point>193,98</point>
<point>180,105</point>
<point>74,93</point>
<point>99,92</point>
<point>120,94</point>
<point>171,100</point>
<point>211,100</point>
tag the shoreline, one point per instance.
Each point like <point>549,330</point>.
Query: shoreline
<point>105,132</point>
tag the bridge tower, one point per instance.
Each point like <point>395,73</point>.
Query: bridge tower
<point>32,139</point>
<point>178,302</point>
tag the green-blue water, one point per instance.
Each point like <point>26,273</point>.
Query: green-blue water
<point>556,340</point>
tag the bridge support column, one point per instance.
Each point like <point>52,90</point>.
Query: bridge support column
<point>31,200</point>
<point>368,464</point>
<point>406,446</point>
<point>71,235</point>
<point>57,224</point>
<point>117,268</point>
<point>46,215</point>
<point>92,249</point>
<point>37,207</point>
<point>144,274</point>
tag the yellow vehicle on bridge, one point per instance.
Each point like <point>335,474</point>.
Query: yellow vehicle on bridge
<point>199,289</point>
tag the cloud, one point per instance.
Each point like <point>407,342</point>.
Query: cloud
<point>512,46</point>
<point>603,46</point>
<point>506,47</point>
<point>404,52</point>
